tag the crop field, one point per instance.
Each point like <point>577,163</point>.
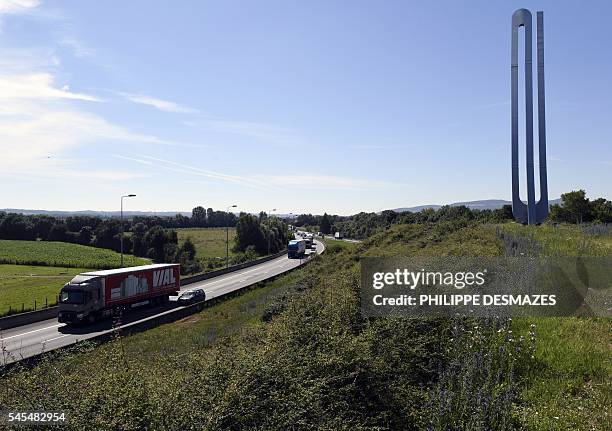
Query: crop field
<point>209,242</point>
<point>21,285</point>
<point>62,254</point>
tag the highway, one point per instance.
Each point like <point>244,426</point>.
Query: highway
<point>30,340</point>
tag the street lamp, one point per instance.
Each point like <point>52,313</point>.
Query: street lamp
<point>227,237</point>
<point>126,196</point>
<point>269,230</point>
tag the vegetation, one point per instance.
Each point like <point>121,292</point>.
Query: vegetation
<point>298,354</point>
<point>302,357</point>
<point>577,208</point>
<point>263,235</point>
<point>61,254</point>
<point>21,285</point>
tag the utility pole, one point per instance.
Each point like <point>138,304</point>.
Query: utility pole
<point>227,237</point>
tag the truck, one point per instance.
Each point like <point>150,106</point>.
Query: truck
<point>338,235</point>
<point>296,248</point>
<point>90,296</point>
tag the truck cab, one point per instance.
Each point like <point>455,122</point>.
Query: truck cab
<point>80,299</point>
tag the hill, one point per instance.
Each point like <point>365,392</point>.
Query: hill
<point>486,204</point>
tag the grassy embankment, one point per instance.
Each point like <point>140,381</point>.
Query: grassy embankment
<point>571,385</point>
<point>297,353</point>
<point>36,270</point>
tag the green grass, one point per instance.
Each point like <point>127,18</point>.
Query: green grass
<point>571,388</point>
<point>209,242</point>
<point>62,254</point>
<point>319,363</point>
<point>23,284</point>
<point>563,240</point>
<point>571,385</point>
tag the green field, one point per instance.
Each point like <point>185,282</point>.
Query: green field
<point>62,254</point>
<point>209,244</point>
<point>21,285</point>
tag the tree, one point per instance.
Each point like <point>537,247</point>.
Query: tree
<point>58,232</point>
<point>186,256</point>
<point>249,233</point>
<point>198,217</point>
<point>601,210</point>
<point>16,226</point>
<point>575,208</point>
<point>325,225</point>
<point>161,244</point>
<point>139,247</point>
<point>85,235</point>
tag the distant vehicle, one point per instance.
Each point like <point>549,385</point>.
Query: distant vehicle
<point>338,235</point>
<point>320,234</point>
<point>90,296</point>
<point>308,239</point>
<point>191,296</point>
<point>296,248</point>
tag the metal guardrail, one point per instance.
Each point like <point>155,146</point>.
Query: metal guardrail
<point>168,316</point>
<point>28,317</point>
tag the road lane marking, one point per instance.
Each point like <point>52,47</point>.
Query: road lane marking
<point>30,332</point>
<point>56,338</point>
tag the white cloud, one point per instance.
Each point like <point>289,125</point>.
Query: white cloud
<point>14,7</point>
<point>185,169</point>
<point>162,105</point>
<point>17,6</point>
<point>36,86</point>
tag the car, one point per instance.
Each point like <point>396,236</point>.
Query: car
<point>192,296</point>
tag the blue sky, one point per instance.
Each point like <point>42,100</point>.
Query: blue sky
<point>311,106</point>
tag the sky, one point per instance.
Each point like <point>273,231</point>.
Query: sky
<point>312,106</point>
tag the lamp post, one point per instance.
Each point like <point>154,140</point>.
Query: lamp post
<point>126,196</point>
<point>227,237</point>
<point>269,230</point>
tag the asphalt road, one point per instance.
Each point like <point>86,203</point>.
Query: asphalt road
<point>30,340</point>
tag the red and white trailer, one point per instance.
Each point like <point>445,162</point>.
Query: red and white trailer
<point>93,295</point>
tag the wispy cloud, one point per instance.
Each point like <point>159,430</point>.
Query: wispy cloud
<point>77,47</point>
<point>162,105</point>
<point>37,86</point>
<point>15,7</point>
<point>196,171</point>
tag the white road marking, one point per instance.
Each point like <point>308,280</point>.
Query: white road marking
<point>30,332</point>
<point>51,339</point>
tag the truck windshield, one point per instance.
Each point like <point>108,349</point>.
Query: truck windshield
<point>71,296</point>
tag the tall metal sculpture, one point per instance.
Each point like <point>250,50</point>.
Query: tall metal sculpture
<point>532,213</point>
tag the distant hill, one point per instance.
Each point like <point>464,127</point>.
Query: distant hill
<point>62,214</point>
<point>487,204</point>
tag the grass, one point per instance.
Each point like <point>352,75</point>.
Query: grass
<point>62,254</point>
<point>209,242</point>
<point>571,387</point>
<point>317,363</point>
<point>563,240</point>
<point>24,284</point>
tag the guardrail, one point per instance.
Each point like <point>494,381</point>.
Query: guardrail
<point>28,317</point>
<point>168,316</point>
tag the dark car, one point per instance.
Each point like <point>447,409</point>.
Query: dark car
<point>191,296</point>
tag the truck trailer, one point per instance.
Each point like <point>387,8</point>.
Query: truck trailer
<point>296,248</point>
<point>90,296</point>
